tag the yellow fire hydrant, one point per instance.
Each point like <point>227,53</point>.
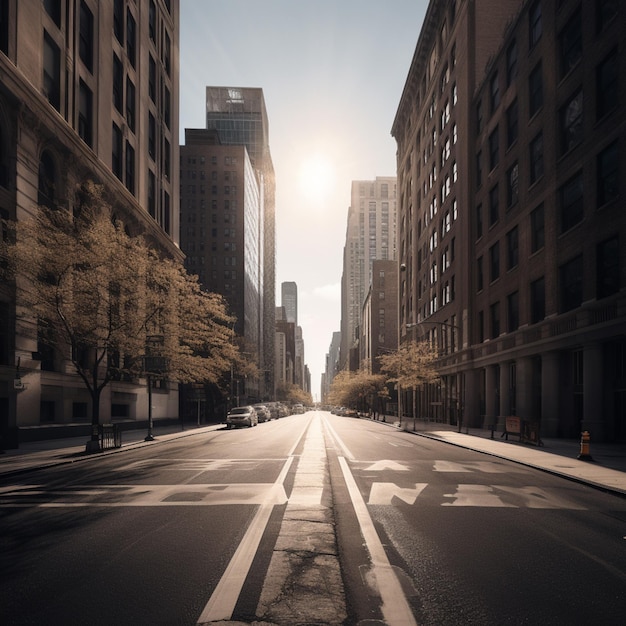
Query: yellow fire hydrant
<point>585,440</point>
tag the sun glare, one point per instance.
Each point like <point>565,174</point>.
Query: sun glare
<point>316,176</point>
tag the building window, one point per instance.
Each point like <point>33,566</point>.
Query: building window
<point>571,284</point>
<point>116,151</point>
<point>494,205</point>
<point>494,314</point>
<point>166,106</point>
<point>480,279</point>
<point>479,169</point>
<point>51,72</point>
<point>494,92</point>
<point>130,168</point>
<point>479,221</point>
<point>85,113</point>
<point>512,124</point>
<point>152,79</point>
<point>512,185</point>
<point>511,63</point>
<point>151,193</point>
<point>607,85</point>
<point>494,262</point>
<point>85,36</point>
<point>494,148</point>
<point>118,20</point>
<point>571,202</point>
<point>537,229</point>
<point>534,24</point>
<point>537,300</point>
<point>536,158</point>
<point>130,104</point>
<point>167,54</point>
<point>151,136</point>
<point>47,181</point>
<point>479,116</point>
<point>607,267</point>
<point>535,90</point>
<point>608,175</point>
<point>571,122</point>
<point>481,326</point>
<point>512,305</point>
<point>166,158</point>
<point>606,10</point>
<point>53,9</point>
<point>131,38</point>
<point>152,21</point>
<point>118,84</point>
<point>512,248</point>
<point>571,43</point>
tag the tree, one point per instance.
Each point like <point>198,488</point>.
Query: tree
<point>355,389</point>
<point>110,304</point>
<point>288,392</point>
<point>410,366</point>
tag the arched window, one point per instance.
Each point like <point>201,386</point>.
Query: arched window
<point>47,177</point>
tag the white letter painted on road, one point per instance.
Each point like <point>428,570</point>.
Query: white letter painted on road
<point>383,493</point>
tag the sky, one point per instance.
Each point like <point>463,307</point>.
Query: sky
<point>332,74</point>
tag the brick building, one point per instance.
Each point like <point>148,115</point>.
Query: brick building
<point>511,215</point>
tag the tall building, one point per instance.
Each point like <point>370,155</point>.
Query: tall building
<point>332,365</point>
<point>379,317</point>
<point>239,116</point>
<point>221,216</point>
<point>289,299</point>
<point>370,234</point>
<point>89,92</point>
<point>509,166</point>
<point>289,313</point>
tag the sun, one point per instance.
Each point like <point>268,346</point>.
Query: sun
<point>316,176</point>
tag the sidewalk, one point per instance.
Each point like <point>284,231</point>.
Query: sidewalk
<point>606,470</point>
<point>51,452</point>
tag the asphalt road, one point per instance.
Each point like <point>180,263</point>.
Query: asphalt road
<point>427,533</point>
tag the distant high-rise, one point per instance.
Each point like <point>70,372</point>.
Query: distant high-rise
<point>289,299</point>
<point>220,212</point>
<point>239,116</point>
<point>370,235</point>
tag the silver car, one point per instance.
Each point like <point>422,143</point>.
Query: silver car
<point>241,416</point>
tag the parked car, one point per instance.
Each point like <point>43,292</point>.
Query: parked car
<point>298,409</point>
<point>274,410</point>
<point>241,416</point>
<point>283,410</point>
<point>262,412</point>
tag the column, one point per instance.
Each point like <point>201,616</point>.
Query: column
<point>593,387</point>
<point>550,394</point>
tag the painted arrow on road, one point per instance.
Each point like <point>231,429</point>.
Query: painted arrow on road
<point>379,466</point>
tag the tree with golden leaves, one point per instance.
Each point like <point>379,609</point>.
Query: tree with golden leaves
<point>110,304</point>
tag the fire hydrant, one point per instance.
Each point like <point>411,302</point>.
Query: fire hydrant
<point>585,439</point>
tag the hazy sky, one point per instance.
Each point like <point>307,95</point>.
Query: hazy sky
<point>332,73</point>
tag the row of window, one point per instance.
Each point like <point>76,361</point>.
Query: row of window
<point>570,292</point>
<point>570,196</point>
<point>192,160</point>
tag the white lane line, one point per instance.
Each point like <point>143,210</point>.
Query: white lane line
<point>222,602</point>
<point>338,442</point>
<point>395,608</point>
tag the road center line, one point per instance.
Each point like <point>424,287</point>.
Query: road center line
<point>222,602</point>
<point>395,607</point>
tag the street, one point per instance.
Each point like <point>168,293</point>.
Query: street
<point>404,529</point>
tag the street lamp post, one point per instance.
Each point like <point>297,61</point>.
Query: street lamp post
<point>152,364</point>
